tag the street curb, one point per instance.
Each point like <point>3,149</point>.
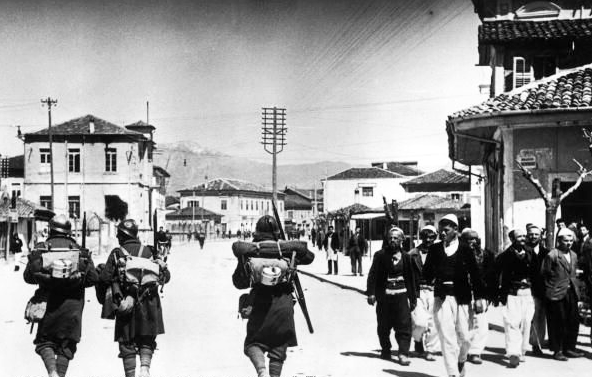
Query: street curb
<point>342,286</point>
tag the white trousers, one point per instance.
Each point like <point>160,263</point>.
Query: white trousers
<point>452,323</point>
<point>428,336</point>
<point>518,313</point>
<point>478,333</point>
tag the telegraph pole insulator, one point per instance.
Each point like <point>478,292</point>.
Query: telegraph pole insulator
<point>273,137</point>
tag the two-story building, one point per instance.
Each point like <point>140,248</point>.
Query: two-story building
<point>240,203</point>
<point>540,54</point>
<point>299,207</point>
<point>98,168</point>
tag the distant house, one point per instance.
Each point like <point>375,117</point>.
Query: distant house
<point>365,186</point>
<point>13,175</point>
<point>99,168</point>
<point>298,207</point>
<point>190,219</point>
<point>406,168</point>
<point>240,203</point>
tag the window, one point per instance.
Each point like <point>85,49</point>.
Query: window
<point>455,197</point>
<point>110,159</point>
<point>193,203</point>
<point>74,207</point>
<point>367,191</point>
<point>74,160</point>
<point>45,201</point>
<point>251,204</point>
<point>223,204</point>
<point>257,206</point>
<point>45,156</point>
<point>241,204</point>
<point>290,214</point>
<point>544,66</point>
<point>522,74</point>
<point>268,206</point>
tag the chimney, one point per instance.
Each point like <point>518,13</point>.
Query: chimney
<point>91,127</point>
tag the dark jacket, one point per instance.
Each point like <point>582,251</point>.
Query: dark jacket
<point>586,257</point>
<point>146,316</point>
<point>271,321</point>
<point>334,241</point>
<point>559,274</point>
<point>16,244</point>
<point>382,265</point>
<point>486,264</point>
<point>507,274</point>
<point>417,264</point>
<point>357,245</point>
<point>538,283</point>
<point>65,297</point>
<point>468,282</point>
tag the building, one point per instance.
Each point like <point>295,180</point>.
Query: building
<point>240,203</point>
<point>12,175</point>
<point>192,219</point>
<point>98,168</point>
<point>540,51</point>
<point>365,186</point>
<point>298,207</point>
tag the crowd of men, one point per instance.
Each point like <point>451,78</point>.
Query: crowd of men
<point>438,294</point>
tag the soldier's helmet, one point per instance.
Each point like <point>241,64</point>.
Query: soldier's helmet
<point>128,227</point>
<point>267,224</point>
<point>60,224</point>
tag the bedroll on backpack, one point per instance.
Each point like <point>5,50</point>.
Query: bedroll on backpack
<point>268,271</point>
<point>141,271</point>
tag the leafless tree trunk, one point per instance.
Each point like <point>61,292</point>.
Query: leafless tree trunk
<point>552,199</point>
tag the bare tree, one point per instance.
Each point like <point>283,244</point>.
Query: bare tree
<point>554,198</point>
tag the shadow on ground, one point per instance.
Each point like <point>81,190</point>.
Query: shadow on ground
<point>404,373</point>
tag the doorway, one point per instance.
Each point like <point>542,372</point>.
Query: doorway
<point>577,207</point>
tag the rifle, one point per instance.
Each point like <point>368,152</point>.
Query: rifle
<point>295,279</point>
<point>84,230</point>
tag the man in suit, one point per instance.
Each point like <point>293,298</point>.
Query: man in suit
<point>357,247</point>
<point>453,270</point>
<point>538,328</point>
<point>561,295</point>
<point>586,258</point>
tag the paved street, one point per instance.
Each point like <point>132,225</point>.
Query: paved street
<point>204,337</point>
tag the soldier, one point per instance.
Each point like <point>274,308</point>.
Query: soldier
<point>392,285</point>
<point>59,331</point>
<point>270,328</point>
<point>486,264</point>
<point>426,338</point>
<point>538,327</point>
<point>138,318</point>
<point>453,270</point>
<point>516,269</point>
<point>561,297</point>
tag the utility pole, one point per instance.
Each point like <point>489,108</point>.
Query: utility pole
<point>49,103</point>
<point>204,228</point>
<point>274,138</point>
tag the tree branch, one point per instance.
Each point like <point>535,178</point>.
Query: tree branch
<point>582,174</point>
<point>535,182</point>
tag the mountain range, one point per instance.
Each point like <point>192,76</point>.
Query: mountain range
<point>189,162</point>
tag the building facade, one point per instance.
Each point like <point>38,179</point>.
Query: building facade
<point>98,168</point>
<point>240,203</point>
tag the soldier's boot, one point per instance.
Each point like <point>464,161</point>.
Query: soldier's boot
<point>275,367</point>
<point>129,366</point>
<point>62,365</point>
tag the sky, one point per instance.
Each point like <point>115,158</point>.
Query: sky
<point>361,80</point>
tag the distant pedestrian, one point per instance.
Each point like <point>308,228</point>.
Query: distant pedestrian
<point>356,247</point>
<point>392,285</point>
<point>201,237</point>
<point>561,293</point>
<point>453,270</point>
<point>188,236</point>
<point>313,236</point>
<point>331,246</point>
<point>16,245</point>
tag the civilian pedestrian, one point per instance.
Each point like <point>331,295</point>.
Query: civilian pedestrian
<point>538,328</point>
<point>357,246</point>
<point>331,246</point>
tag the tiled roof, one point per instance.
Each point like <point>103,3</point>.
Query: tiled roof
<point>439,176</point>
<point>24,208</point>
<point>499,32</point>
<point>80,126</point>
<point>188,213</point>
<point>570,89</point>
<point>350,210</point>
<point>399,168</point>
<point>358,173</point>
<point>229,184</point>
<point>432,202</point>
<point>297,202</point>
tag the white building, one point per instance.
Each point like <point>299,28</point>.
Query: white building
<point>98,167</point>
<point>365,186</point>
<point>240,203</point>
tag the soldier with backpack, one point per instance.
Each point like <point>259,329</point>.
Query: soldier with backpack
<point>134,272</point>
<point>63,270</point>
<point>270,305</point>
